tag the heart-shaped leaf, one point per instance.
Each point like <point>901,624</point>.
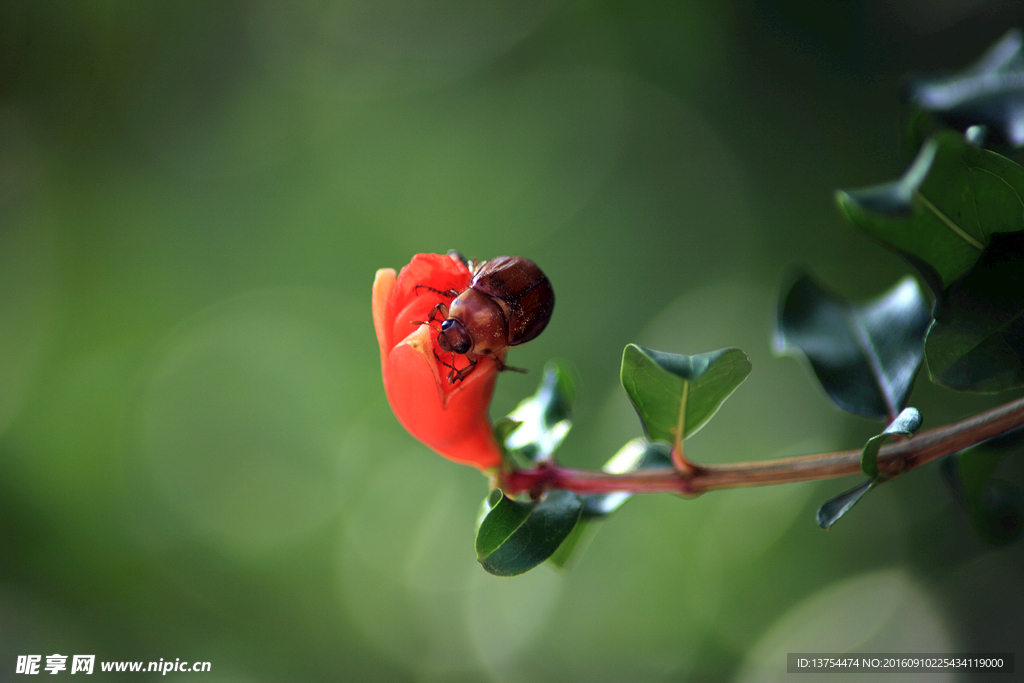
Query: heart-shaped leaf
<point>944,210</point>
<point>831,510</point>
<point>990,93</point>
<point>977,341</point>
<point>514,537</point>
<point>674,395</point>
<point>865,356</point>
<point>543,419</point>
<point>906,424</point>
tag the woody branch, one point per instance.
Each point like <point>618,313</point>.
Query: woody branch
<point>893,460</point>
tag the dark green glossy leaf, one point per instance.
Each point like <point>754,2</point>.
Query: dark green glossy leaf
<point>977,341</point>
<point>674,395</point>
<point>906,424</point>
<point>990,93</point>
<point>544,418</point>
<point>944,210</point>
<point>865,356</point>
<point>500,516</point>
<point>638,454</point>
<point>514,537</point>
<point>830,512</point>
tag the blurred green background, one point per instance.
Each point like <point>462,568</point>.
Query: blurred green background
<point>196,457</point>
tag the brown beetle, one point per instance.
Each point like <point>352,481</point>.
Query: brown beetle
<point>509,302</point>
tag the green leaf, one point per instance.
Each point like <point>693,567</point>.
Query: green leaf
<point>906,424</point>
<point>675,395</point>
<point>544,418</point>
<point>991,92</point>
<point>500,517</point>
<point>945,208</point>
<point>977,341</point>
<point>865,356</point>
<point>514,537</point>
<point>830,511</point>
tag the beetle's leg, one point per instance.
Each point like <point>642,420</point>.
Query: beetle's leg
<point>447,365</point>
<point>443,292</point>
<point>454,376</point>
<point>442,308</point>
<point>502,367</point>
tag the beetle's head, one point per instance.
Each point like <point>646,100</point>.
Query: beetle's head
<point>454,337</point>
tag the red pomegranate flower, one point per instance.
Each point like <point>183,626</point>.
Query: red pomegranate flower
<point>449,418</point>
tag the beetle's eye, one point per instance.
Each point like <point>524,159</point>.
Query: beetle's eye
<point>456,336</point>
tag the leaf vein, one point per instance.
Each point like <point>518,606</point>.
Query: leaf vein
<point>1003,181</point>
<point>877,371</point>
<point>949,223</point>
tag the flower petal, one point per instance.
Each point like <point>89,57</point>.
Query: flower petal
<point>418,288</point>
<point>450,419</point>
<point>383,286</point>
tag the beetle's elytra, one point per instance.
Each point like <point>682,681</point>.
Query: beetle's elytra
<point>508,302</point>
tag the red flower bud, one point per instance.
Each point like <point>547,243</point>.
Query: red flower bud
<point>449,418</point>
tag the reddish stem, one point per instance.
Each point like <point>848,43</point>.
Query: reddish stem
<point>893,460</point>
